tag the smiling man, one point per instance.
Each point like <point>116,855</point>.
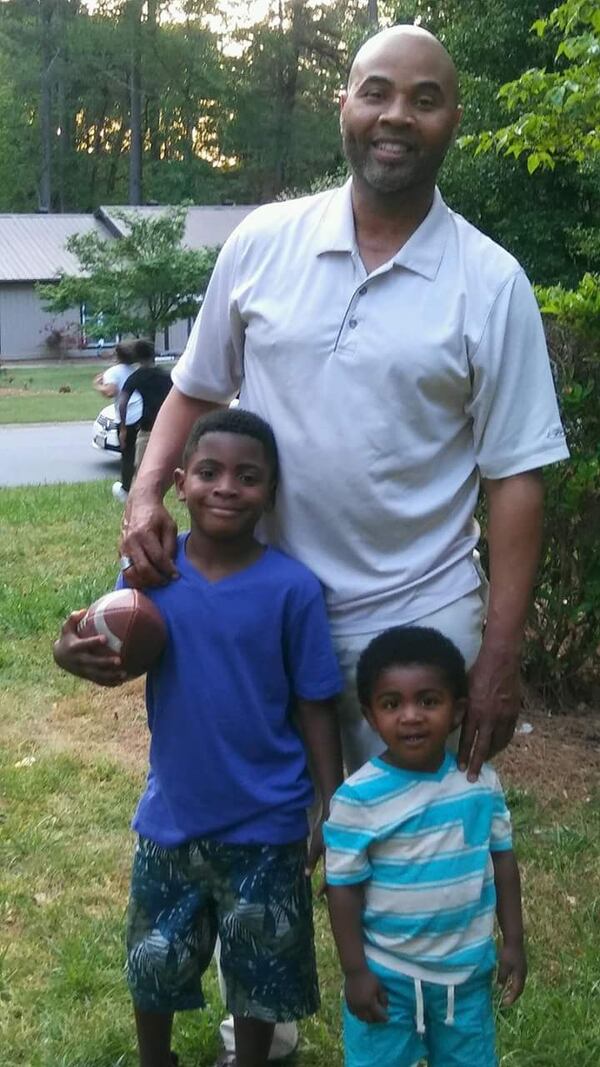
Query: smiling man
<point>399,355</point>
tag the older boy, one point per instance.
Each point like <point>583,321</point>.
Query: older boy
<point>222,822</point>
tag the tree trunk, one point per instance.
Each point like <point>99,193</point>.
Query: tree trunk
<point>135,113</point>
<point>45,187</point>
<point>372,14</point>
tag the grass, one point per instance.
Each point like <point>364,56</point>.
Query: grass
<point>33,394</point>
<point>71,768</point>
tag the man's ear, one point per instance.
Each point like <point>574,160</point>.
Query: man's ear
<point>178,479</point>
<point>460,710</point>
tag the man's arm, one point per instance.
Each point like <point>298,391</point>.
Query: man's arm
<point>149,533</point>
<point>365,996</point>
<point>512,963</point>
<point>515,516</point>
<point>319,726</point>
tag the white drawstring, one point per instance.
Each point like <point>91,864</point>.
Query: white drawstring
<point>449,1020</point>
<point>420,1016</point>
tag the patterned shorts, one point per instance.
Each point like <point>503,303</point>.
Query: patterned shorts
<point>256,898</point>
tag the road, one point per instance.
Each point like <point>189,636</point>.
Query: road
<point>52,452</point>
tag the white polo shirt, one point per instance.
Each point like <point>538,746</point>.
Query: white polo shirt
<point>389,394</point>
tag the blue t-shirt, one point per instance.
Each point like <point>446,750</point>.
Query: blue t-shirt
<point>226,760</point>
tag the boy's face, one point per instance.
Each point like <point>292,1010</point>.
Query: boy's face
<point>227,485</point>
<point>413,710</point>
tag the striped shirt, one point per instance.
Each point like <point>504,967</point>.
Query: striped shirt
<point>422,843</point>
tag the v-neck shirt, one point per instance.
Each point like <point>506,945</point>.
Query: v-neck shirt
<point>226,759</point>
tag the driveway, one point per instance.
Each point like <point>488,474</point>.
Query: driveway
<point>37,453</point>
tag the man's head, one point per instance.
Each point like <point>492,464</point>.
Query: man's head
<point>412,687</point>
<point>400,111</point>
<point>137,351</point>
<point>229,474</point>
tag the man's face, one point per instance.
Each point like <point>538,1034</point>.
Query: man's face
<point>399,115</point>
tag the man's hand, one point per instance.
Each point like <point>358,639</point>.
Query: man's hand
<point>122,435</point>
<point>493,708</point>
<point>512,972</point>
<point>149,539</point>
<point>87,657</point>
<point>365,996</point>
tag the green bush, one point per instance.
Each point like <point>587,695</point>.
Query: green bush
<point>564,632</point>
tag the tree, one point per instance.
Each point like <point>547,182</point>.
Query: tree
<point>136,284</point>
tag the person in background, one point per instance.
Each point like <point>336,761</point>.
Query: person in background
<point>153,385</point>
<point>110,383</point>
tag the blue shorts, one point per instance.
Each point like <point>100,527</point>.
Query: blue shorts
<point>467,1041</point>
<point>257,898</point>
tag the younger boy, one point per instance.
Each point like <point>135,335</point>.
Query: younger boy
<point>417,860</point>
<point>222,822</point>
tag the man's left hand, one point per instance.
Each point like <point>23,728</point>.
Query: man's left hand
<point>122,436</point>
<point>493,709</point>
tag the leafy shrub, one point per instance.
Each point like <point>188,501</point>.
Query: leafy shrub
<point>564,632</point>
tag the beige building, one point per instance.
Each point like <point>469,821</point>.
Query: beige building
<point>33,249</point>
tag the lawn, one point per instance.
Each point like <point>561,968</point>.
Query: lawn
<point>72,764</point>
<point>50,393</point>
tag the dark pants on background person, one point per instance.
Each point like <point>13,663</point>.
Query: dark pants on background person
<point>128,456</point>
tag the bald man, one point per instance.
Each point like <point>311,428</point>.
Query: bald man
<point>399,355</point>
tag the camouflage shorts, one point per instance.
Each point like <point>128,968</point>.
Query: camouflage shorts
<point>257,898</point>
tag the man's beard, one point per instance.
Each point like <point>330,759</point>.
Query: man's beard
<point>383,177</point>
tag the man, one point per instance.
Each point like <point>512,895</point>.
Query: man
<point>399,355</point>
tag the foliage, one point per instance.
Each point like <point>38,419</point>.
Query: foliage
<point>565,632</point>
<point>138,283</point>
<point>558,110</point>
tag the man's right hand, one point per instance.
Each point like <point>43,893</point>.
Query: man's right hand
<point>149,539</point>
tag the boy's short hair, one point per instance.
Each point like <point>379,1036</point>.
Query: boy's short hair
<point>404,646</point>
<point>138,350</point>
<point>234,420</point>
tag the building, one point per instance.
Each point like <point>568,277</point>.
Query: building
<point>33,249</point>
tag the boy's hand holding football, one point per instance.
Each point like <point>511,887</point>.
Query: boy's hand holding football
<point>87,657</point>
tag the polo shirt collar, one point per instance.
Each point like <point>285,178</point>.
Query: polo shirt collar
<point>421,254</point>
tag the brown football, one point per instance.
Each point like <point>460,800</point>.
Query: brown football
<point>132,625</point>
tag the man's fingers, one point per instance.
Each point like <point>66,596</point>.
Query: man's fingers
<point>480,752</point>
<point>152,563</point>
<point>467,737</point>
<point>502,735</point>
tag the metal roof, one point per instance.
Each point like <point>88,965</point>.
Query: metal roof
<point>32,247</point>
<point>205,227</point>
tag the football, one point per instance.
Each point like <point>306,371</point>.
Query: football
<point>132,625</point>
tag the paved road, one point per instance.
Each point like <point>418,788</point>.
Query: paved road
<point>53,452</point>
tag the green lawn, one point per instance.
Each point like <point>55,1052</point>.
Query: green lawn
<point>33,394</point>
<point>71,767</point>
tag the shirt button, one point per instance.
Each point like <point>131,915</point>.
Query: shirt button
<point>353,324</point>
<point>362,291</point>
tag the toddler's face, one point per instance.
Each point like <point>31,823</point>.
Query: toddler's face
<point>413,710</point>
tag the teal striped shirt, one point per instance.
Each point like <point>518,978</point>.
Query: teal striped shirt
<point>422,843</point>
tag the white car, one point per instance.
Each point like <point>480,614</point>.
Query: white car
<point>105,432</point>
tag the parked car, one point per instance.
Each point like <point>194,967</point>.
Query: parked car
<point>105,432</point>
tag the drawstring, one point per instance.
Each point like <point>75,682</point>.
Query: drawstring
<point>420,1016</point>
<point>449,1020</point>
